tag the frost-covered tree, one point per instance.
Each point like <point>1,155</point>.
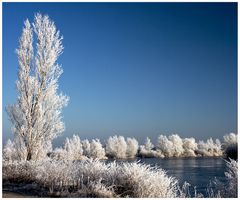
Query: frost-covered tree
<point>148,144</point>
<point>177,145</point>
<point>86,147</point>
<point>96,150</point>
<point>132,147</point>
<point>210,148</point>
<point>116,147</point>
<point>189,146</point>
<point>230,138</point>
<point>36,117</point>
<point>165,146</point>
<point>146,150</point>
<point>9,151</point>
<point>230,145</point>
<point>73,147</point>
<point>59,154</point>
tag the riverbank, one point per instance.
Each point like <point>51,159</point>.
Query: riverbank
<point>10,194</point>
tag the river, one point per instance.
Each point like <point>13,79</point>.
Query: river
<point>196,171</point>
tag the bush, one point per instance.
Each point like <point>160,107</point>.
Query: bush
<point>230,146</point>
<point>92,178</point>
<point>210,148</point>
<point>19,172</point>
<point>132,148</point>
<point>73,148</point>
<point>229,188</point>
<point>96,150</point>
<point>116,147</point>
<point>232,178</point>
<point>231,151</point>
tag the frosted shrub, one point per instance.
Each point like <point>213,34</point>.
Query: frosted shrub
<point>96,150</point>
<point>158,153</point>
<point>230,145</point>
<point>86,147</point>
<point>231,151</point>
<point>232,178</point>
<point>9,151</point>
<point>18,172</point>
<point>140,181</point>
<point>14,150</point>
<point>44,150</point>
<point>146,149</point>
<point>210,148</point>
<point>54,174</point>
<point>165,146</point>
<point>73,147</point>
<point>174,146</point>
<point>116,147</point>
<point>217,149</point>
<point>132,148</point>
<point>230,138</point>
<point>92,178</point>
<point>177,145</point>
<point>189,146</point>
<point>128,179</point>
<point>99,190</point>
<point>95,189</point>
<point>148,144</point>
<point>59,154</point>
<point>91,170</point>
<point>228,188</point>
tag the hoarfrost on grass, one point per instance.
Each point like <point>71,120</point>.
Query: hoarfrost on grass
<point>80,177</point>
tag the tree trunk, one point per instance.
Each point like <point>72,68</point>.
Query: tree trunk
<point>29,155</point>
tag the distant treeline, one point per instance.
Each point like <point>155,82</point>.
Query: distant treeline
<point>117,147</point>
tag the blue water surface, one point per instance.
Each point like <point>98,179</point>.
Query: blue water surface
<point>197,171</point>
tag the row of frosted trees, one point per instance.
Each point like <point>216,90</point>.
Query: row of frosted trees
<point>117,147</point>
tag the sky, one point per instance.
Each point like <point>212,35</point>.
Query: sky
<point>137,69</point>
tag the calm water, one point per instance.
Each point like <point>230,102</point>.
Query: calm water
<point>196,171</point>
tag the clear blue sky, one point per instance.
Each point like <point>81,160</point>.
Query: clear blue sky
<point>137,69</point>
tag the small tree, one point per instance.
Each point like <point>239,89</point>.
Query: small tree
<point>116,147</point>
<point>148,144</point>
<point>86,147</point>
<point>97,150</point>
<point>132,148</point>
<point>165,146</point>
<point>36,117</point>
<point>73,148</point>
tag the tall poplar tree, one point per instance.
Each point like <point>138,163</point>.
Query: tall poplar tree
<point>36,116</point>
